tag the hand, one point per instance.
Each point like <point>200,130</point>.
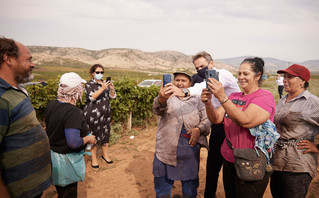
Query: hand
<point>111,86</point>
<point>206,96</point>
<point>307,146</point>
<point>91,139</point>
<point>195,133</point>
<point>104,84</point>
<point>163,94</point>
<point>216,88</point>
<point>172,90</point>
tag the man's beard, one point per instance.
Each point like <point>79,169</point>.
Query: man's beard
<point>24,77</point>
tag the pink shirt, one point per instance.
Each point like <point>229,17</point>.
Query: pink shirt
<point>240,137</point>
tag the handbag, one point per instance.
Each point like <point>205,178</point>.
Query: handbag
<point>250,165</point>
<point>67,168</point>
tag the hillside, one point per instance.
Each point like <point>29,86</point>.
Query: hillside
<point>131,59</point>
<point>273,64</point>
<point>134,59</point>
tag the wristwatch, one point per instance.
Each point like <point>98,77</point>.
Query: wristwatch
<point>185,91</point>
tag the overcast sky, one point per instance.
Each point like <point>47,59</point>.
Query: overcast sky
<point>282,29</point>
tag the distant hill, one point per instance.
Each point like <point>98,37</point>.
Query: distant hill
<point>121,58</point>
<point>134,59</point>
<point>272,64</point>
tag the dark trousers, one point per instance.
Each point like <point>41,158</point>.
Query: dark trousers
<point>68,191</point>
<point>214,159</point>
<point>163,187</point>
<point>280,89</point>
<point>289,185</point>
<point>237,188</point>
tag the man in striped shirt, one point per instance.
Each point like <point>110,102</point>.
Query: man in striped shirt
<point>25,165</point>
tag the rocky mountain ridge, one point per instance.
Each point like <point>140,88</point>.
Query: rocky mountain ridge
<point>134,59</point>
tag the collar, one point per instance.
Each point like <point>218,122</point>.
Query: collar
<point>94,81</point>
<point>305,94</point>
<point>4,84</point>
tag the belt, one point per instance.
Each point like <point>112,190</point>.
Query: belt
<point>187,136</point>
<point>284,144</point>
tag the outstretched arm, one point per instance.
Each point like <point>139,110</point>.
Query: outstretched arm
<point>160,102</point>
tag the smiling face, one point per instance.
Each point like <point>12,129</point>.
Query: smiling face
<point>23,65</point>
<point>182,81</point>
<point>247,78</point>
<point>293,84</point>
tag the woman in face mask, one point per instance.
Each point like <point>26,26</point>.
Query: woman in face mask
<point>97,111</point>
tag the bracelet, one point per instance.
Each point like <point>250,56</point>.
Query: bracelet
<point>224,101</point>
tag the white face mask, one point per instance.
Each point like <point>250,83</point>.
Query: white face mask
<point>98,76</point>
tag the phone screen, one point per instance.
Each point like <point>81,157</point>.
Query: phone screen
<point>166,79</point>
<point>108,78</point>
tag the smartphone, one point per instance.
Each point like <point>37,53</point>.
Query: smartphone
<point>108,78</point>
<point>167,78</point>
<point>211,73</point>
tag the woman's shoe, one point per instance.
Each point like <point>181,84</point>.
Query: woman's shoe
<point>109,162</point>
<point>96,166</point>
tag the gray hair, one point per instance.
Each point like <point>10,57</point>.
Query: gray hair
<point>203,54</point>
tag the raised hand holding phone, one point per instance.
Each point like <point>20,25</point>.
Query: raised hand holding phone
<point>211,73</point>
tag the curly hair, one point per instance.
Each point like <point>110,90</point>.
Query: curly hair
<point>93,68</point>
<point>9,47</point>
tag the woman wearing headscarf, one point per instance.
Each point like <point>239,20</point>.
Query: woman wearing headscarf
<point>297,121</point>
<point>67,132</point>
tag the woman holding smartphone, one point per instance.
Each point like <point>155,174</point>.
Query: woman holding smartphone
<point>97,111</point>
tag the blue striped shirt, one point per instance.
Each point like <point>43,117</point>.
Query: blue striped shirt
<point>25,162</point>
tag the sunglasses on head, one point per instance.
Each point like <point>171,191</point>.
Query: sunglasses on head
<point>102,72</point>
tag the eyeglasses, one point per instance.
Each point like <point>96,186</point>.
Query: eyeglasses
<point>102,72</point>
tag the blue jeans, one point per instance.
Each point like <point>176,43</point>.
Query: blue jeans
<point>163,187</point>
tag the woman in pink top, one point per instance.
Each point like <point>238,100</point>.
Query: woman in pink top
<point>239,112</point>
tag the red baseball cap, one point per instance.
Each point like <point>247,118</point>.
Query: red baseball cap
<point>297,70</point>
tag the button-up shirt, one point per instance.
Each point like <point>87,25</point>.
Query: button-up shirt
<point>190,111</point>
<point>296,120</point>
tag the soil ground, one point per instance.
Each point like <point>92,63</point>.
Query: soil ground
<point>131,174</point>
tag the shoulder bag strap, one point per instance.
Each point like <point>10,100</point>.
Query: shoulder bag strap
<point>229,144</point>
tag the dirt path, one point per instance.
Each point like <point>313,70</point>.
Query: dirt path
<point>131,174</point>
